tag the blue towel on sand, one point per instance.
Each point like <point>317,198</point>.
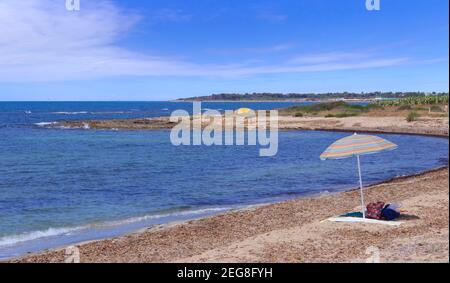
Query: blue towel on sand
<point>353,214</point>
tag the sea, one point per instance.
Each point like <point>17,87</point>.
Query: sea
<point>64,186</point>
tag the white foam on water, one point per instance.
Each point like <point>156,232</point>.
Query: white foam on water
<point>29,236</point>
<point>43,124</point>
<point>57,232</point>
<point>171,214</point>
<point>70,113</point>
<point>93,113</point>
<point>112,112</point>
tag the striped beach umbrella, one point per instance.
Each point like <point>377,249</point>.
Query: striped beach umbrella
<point>357,145</point>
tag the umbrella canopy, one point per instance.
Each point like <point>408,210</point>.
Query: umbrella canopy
<point>357,145</point>
<point>241,111</point>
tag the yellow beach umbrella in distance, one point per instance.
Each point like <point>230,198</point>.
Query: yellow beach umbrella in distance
<point>242,111</point>
<point>245,112</point>
<point>357,145</point>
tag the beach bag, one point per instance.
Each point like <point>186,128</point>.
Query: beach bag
<point>389,212</point>
<point>374,210</point>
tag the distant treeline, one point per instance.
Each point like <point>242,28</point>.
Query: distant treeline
<point>308,96</point>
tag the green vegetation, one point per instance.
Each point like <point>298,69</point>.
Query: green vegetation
<point>267,96</point>
<point>341,115</point>
<point>412,116</point>
<point>338,109</point>
<point>404,107</point>
<point>436,108</point>
<point>417,100</point>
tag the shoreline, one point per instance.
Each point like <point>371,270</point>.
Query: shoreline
<point>430,126</point>
<point>56,254</point>
<point>435,134</point>
<point>121,227</point>
<point>437,127</point>
<point>182,217</point>
<point>286,100</point>
<point>120,224</point>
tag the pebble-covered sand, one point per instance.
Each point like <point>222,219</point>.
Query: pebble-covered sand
<point>293,231</point>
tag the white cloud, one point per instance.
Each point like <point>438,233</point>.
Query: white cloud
<point>42,41</point>
<point>252,50</point>
<point>319,58</point>
<point>322,67</point>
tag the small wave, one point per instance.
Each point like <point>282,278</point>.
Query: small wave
<point>70,113</point>
<point>28,112</point>
<point>208,109</point>
<point>111,112</point>
<point>52,125</point>
<point>91,113</point>
<point>57,232</point>
<point>45,124</point>
<point>29,236</point>
<point>164,215</point>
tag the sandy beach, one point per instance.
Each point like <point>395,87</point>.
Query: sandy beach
<point>294,231</point>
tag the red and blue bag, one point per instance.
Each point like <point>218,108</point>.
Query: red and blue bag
<point>374,210</point>
<point>390,213</point>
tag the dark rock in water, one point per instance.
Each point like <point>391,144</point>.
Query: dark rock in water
<point>131,124</point>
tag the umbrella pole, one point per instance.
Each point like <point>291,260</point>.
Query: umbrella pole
<point>361,187</point>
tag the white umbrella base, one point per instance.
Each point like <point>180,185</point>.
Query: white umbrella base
<point>363,220</point>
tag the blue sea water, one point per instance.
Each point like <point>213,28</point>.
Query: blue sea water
<point>61,186</point>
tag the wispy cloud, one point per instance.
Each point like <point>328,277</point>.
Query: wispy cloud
<point>252,50</point>
<point>41,41</point>
<point>433,61</point>
<point>233,71</point>
<point>328,57</point>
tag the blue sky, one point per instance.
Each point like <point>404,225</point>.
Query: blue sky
<point>159,50</point>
